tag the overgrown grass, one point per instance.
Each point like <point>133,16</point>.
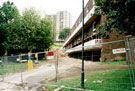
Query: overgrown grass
<point>109,80</point>
<point>115,62</point>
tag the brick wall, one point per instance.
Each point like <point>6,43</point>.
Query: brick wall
<point>106,51</point>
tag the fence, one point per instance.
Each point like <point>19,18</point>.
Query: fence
<point>10,65</point>
<point>130,47</point>
<point>106,69</point>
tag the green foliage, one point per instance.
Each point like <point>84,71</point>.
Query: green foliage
<point>45,35</point>
<point>38,32</point>
<point>8,16</point>
<point>30,24</point>
<point>8,12</point>
<point>63,34</point>
<point>120,16</point>
<point>28,31</point>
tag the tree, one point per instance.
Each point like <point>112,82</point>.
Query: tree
<point>63,34</point>
<point>120,16</point>
<point>30,23</point>
<point>28,32</point>
<point>44,35</point>
<point>38,32</point>
<point>8,15</point>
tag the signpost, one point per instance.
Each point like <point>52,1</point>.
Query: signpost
<point>20,56</point>
<point>119,51</point>
<point>56,64</point>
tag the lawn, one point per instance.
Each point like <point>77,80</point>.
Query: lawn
<point>14,67</point>
<point>109,80</point>
<point>115,62</point>
<point>57,45</point>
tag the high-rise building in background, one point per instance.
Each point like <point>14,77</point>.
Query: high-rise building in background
<point>53,17</point>
<point>62,19</point>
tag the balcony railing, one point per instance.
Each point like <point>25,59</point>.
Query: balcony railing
<point>93,44</point>
<point>87,9</point>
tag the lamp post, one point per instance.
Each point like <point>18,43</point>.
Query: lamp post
<point>82,73</point>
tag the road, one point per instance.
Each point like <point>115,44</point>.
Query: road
<point>67,67</point>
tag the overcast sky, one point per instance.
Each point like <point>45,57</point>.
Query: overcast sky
<point>51,6</point>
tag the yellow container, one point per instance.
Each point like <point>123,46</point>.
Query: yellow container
<point>36,55</point>
<point>30,65</point>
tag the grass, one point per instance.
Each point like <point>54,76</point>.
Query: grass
<point>14,67</point>
<point>110,80</point>
<point>115,62</point>
<point>57,45</point>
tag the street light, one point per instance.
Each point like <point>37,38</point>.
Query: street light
<point>82,73</point>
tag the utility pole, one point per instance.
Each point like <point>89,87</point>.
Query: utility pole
<point>82,73</point>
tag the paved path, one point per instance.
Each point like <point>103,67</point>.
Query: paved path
<point>68,67</point>
<point>12,82</point>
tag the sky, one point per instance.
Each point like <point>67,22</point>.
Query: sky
<point>51,6</point>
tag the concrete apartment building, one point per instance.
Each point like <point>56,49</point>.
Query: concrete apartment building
<point>53,17</point>
<point>61,20</point>
<point>94,49</point>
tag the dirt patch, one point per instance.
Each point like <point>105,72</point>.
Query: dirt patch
<point>75,68</point>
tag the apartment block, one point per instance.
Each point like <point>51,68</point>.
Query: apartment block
<point>96,48</point>
<point>62,19</point>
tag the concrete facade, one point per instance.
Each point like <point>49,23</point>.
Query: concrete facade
<point>94,48</point>
<point>61,20</point>
<point>53,17</point>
